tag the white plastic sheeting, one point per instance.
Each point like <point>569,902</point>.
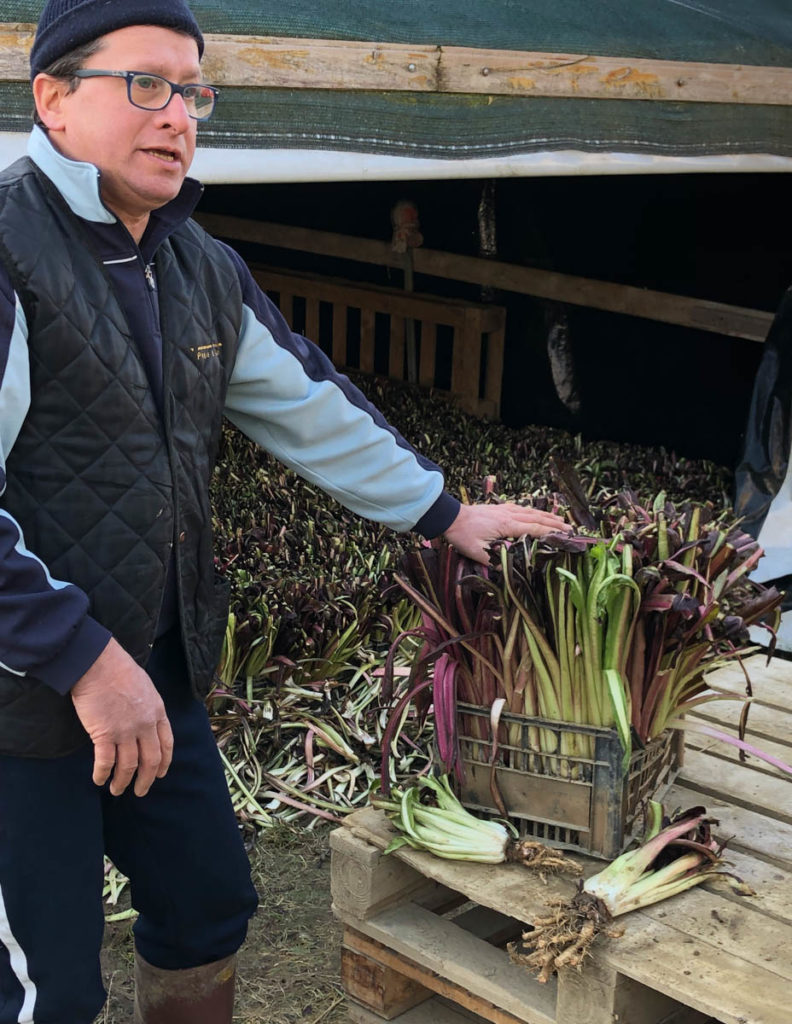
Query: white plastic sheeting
<point>253,166</point>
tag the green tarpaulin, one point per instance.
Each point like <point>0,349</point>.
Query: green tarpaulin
<point>758,32</point>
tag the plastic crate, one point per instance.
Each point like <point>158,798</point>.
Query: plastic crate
<point>562,784</point>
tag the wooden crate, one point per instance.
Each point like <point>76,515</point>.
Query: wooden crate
<point>478,332</point>
<point>418,928</point>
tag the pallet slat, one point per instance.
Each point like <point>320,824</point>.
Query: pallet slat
<point>772,684</point>
<point>434,1011</point>
<point>752,790</point>
<point>454,962</point>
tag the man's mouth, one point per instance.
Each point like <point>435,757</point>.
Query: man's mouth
<point>164,154</point>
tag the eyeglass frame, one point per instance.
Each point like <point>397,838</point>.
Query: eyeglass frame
<point>129,76</point>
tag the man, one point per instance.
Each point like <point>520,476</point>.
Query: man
<point>763,475</point>
<point>126,333</point>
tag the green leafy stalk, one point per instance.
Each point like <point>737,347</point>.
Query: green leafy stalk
<point>445,829</point>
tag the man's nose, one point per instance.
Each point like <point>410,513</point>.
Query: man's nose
<point>175,112</point>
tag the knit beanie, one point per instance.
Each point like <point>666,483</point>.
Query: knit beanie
<point>67,24</point>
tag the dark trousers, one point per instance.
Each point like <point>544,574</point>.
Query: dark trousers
<point>179,845</point>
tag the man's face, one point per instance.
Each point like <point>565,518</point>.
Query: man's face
<point>143,155</point>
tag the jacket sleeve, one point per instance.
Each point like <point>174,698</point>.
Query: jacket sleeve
<point>286,395</point>
<point>46,634</point>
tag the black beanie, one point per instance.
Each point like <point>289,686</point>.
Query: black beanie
<point>67,24</point>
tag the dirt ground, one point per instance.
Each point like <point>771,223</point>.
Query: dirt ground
<point>289,967</point>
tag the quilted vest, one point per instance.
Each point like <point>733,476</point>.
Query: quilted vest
<point>100,483</point>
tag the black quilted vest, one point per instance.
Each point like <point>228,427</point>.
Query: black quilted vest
<point>100,483</point>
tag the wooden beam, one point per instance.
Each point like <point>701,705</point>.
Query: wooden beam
<point>287,63</point>
<point>701,314</point>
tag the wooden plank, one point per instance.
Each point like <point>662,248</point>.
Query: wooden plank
<point>377,986</point>
<point>599,995</point>
<point>312,319</point>
<point>435,1011</point>
<point>396,348</point>
<point>740,927</point>
<point>764,723</point>
<point>764,720</point>
<point>701,314</point>
<point>738,785</point>
<point>363,881</point>
<point>458,965</point>
<point>286,306</point>
<point>771,683</point>
<point>426,368</point>
<point>367,328</point>
<point>300,63</point>
<point>771,882</point>
<point>520,73</point>
<point>723,751</point>
<point>493,378</point>
<point>614,298</point>
<point>339,334</point>
<point>466,361</point>
<point>284,63</point>
<point>374,975</point>
<point>392,301</point>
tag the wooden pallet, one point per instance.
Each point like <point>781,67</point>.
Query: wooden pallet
<point>476,330</point>
<point>419,929</point>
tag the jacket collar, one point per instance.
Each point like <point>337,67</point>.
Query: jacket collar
<point>78,183</point>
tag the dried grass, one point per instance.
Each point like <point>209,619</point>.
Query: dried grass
<point>289,970</point>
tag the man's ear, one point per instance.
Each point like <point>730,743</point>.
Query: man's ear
<point>48,94</point>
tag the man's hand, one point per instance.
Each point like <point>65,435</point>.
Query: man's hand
<point>477,526</point>
<point>123,714</point>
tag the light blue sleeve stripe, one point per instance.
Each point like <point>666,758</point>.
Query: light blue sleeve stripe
<point>14,389</point>
<point>14,405</point>
<point>23,552</point>
<point>312,427</point>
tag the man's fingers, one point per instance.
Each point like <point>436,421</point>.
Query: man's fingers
<point>535,529</point>
<point>525,514</point>
<point>166,746</point>
<point>104,759</point>
<point>149,759</point>
<point>126,766</point>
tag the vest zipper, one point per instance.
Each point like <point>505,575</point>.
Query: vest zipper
<point>150,277</point>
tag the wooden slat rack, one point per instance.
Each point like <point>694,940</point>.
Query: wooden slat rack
<point>628,300</point>
<point>476,331</point>
<point>423,941</point>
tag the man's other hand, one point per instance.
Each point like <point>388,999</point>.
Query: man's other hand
<point>123,714</point>
<point>477,526</point>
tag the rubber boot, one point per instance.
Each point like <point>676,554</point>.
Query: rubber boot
<point>197,995</point>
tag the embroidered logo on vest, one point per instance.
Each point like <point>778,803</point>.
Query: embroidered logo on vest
<point>211,351</point>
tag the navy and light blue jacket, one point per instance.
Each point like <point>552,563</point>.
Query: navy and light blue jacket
<point>283,393</point>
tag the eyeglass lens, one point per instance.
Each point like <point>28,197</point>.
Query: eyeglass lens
<point>153,93</point>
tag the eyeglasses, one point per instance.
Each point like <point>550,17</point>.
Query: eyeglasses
<point>152,92</point>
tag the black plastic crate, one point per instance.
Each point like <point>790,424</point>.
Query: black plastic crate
<point>562,784</point>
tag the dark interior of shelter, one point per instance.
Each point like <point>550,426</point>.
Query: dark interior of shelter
<point>723,237</point>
